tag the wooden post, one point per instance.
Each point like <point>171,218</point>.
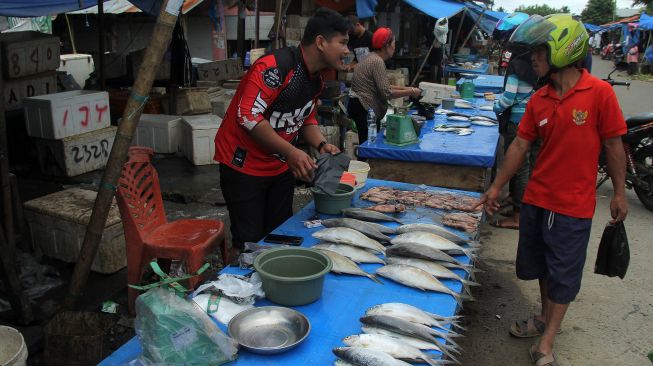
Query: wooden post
<point>480,17</point>
<point>257,25</point>
<point>152,59</point>
<point>460,25</point>
<point>240,41</point>
<point>100,20</point>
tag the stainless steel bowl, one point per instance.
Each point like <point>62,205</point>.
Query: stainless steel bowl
<point>269,329</point>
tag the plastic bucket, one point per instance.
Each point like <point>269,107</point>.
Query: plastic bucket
<point>13,350</point>
<point>292,276</point>
<point>333,204</point>
<point>360,170</point>
<point>74,339</point>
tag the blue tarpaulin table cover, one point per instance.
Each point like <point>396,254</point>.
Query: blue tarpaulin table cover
<point>482,69</point>
<point>345,298</point>
<point>477,149</point>
<point>486,83</point>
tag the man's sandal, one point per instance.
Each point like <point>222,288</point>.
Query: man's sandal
<point>540,359</point>
<point>528,328</point>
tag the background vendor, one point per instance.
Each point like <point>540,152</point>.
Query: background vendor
<point>370,87</point>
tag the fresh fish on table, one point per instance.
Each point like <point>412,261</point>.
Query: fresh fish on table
<point>458,118</point>
<point>412,314</point>
<point>340,362</point>
<point>382,228</point>
<point>464,132</point>
<point>435,229</point>
<point>343,235</point>
<point>482,118</point>
<point>354,253</point>
<point>367,215</point>
<point>420,251</point>
<point>461,103</point>
<point>342,264</point>
<point>392,346</point>
<point>407,328</point>
<point>461,220</point>
<point>363,227</point>
<point>415,342</point>
<point>434,241</point>
<point>398,208</point>
<point>435,269</point>
<point>459,125</point>
<point>366,357</point>
<point>486,107</point>
<point>417,278</point>
<point>485,123</point>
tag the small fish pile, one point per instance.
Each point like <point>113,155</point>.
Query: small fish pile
<point>398,208</point>
<point>464,104</point>
<point>486,107</point>
<point>395,333</point>
<point>460,131</point>
<point>444,201</point>
<point>461,220</point>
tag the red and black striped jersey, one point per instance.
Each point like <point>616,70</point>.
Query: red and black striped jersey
<point>279,89</point>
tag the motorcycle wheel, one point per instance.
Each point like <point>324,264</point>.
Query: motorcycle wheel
<point>644,157</point>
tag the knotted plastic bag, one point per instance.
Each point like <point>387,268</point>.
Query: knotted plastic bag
<point>614,254</point>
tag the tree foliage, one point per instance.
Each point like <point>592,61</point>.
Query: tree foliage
<point>501,9</point>
<point>543,9</point>
<point>598,12</point>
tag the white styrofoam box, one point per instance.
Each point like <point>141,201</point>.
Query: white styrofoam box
<point>434,93</point>
<point>57,224</point>
<point>15,90</point>
<point>79,65</point>
<point>161,132</point>
<point>75,155</point>
<point>59,115</point>
<point>28,53</point>
<point>220,70</point>
<point>199,135</point>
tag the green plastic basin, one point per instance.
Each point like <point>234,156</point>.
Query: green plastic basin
<point>333,204</point>
<point>292,276</point>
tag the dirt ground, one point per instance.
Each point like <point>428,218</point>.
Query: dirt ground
<point>608,324</point>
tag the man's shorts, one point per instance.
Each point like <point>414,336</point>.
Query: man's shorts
<point>552,246</point>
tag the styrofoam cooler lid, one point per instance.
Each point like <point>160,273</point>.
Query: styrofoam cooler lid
<point>156,120</point>
<point>74,204</point>
<point>76,56</point>
<point>202,121</point>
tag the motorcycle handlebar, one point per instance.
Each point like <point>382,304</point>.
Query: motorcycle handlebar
<point>619,83</point>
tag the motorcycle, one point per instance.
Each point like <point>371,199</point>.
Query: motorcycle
<point>607,51</point>
<point>505,60</point>
<point>620,57</point>
<point>638,146</point>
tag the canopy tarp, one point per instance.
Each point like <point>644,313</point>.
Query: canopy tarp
<point>35,8</point>
<point>365,8</point>
<point>592,28</point>
<point>124,6</point>
<point>646,22</point>
<point>489,20</point>
<point>437,8</point>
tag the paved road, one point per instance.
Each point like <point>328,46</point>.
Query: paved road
<point>611,321</point>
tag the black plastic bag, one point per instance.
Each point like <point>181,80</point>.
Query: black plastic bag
<point>614,253</point>
<point>329,171</point>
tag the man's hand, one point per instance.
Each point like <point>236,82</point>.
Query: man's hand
<point>301,165</point>
<point>490,199</point>
<point>329,148</point>
<point>618,208</point>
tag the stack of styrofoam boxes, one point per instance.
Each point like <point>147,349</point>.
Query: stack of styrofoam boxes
<point>222,102</point>
<point>295,26</point>
<point>198,138</point>
<point>29,61</point>
<point>222,70</point>
<point>161,132</point>
<point>72,131</point>
<point>434,93</point>
<point>78,65</point>
<point>57,224</point>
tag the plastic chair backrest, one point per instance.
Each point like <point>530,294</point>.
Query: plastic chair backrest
<point>139,194</point>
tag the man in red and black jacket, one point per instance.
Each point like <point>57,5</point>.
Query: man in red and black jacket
<point>274,105</point>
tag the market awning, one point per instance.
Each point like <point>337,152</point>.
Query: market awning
<point>489,20</point>
<point>35,8</point>
<point>124,6</point>
<point>620,21</point>
<point>437,8</point>
<point>592,28</point>
<point>646,22</point>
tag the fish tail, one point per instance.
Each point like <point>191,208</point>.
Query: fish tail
<point>374,278</point>
<point>456,324</point>
<point>434,362</point>
<point>470,283</point>
<point>445,349</point>
<point>467,297</point>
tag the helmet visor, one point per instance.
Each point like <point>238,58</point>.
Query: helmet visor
<point>533,32</point>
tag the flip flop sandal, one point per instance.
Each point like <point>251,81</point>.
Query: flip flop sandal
<point>528,328</point>
<point>497,223</point>
<point>540,359</point>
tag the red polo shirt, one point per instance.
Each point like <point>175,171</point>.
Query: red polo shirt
<point>572,129</point>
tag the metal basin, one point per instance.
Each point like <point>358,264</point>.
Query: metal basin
<point>269,329</point>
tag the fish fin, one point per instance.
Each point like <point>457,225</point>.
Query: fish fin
<point>458,298</point>
<point>434,362</point>
<point>470,283</point>
<point>374,278</point>
<point>457,325</point>
<point>467,297</point>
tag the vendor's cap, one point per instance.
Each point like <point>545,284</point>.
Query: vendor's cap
<point>381,37</point>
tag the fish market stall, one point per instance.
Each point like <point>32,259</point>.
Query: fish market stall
<point>486,83</point>
<point>461,158</point>
<point>348,305</point>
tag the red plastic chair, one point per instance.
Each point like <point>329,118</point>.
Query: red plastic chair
<point>148,234</point>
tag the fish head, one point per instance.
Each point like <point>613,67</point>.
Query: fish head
<point>349,340</point>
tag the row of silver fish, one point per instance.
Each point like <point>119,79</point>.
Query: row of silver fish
<point>395,333</point>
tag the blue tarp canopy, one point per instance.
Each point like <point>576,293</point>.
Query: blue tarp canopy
<point>437,8</point>
<point>645,22</point>
<point>592,28</point>
<point>489,20</point>
<point>35,8</point>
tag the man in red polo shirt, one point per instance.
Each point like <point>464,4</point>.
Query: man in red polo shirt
<point>575,115</point>
<point>274,106</point>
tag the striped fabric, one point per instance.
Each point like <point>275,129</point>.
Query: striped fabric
<point>516,94</point>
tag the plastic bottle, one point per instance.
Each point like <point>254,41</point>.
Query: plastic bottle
<point>371,126</point>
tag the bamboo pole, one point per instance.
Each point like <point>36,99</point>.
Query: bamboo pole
<point>478,21</point>
<point>153,55</point>
<point>460,25</point>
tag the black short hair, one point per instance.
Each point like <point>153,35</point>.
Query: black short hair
<point>326,23</point>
